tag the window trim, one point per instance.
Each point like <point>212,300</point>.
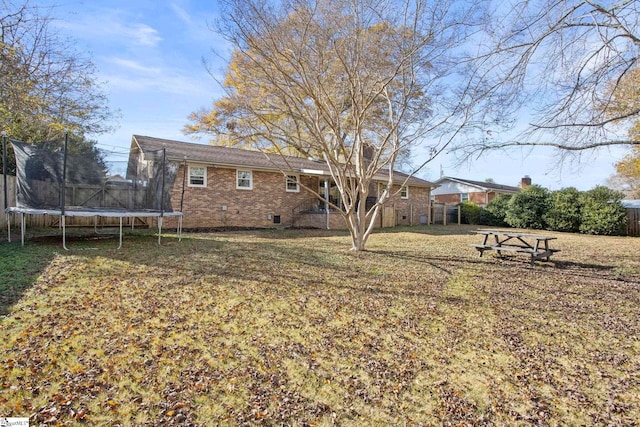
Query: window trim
<point>204,180</point>
<point>297,182</point>
<point>238,186</point>
<point>404,189</point>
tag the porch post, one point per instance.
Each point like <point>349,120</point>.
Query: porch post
<point>326,203</point>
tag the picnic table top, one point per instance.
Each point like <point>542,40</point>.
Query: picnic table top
<point>508,233</point>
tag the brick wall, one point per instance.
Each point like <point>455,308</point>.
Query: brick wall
<point>319,220</point>
<point>408,211</point>
<point>478,198</point>
<point>221,204</point>
<point>447,198</point>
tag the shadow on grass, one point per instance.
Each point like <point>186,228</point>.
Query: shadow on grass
<point>445,264</point>
<point>293,233</point>
<point>20,266</point>
<point>432,230</point>
<point>238,258</point>
<point>19,270</point>
<point>570,265</point>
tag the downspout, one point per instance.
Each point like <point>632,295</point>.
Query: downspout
<point>326,203</point>
<point>429,207</point>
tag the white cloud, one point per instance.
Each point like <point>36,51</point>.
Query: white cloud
<point>182,14</point>
<point>113,28</point>
<point>143,35</point>
<point>132,76</point>
<point>133,65</point>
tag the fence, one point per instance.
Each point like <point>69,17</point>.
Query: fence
<point>88,195</point>
<point>11,201</point>
<point>633,227</point>
<point>443,213</point>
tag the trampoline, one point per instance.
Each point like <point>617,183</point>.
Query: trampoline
<point>90,213</point>
<point>52,180</point>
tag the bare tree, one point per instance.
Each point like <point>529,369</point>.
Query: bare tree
<point>46,86</point>
<point>352,82</point>
<point>556,64</point>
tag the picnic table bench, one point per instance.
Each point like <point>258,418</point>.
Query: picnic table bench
<point>536,246</point>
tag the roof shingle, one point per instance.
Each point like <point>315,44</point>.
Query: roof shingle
<point>236,157</point>
<point>481,184</point>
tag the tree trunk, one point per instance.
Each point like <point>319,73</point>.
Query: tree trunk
<point>358,243</point>
<point>360,227</point>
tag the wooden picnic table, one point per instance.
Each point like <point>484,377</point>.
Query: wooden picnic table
<point>534,245</point>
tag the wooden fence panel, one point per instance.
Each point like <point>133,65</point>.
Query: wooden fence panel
<point>11,194</point>
<point>633,228</point>
<point>87,195</point>
<point>388,216</point>
<point>436,213</point>
<point>443,213</point>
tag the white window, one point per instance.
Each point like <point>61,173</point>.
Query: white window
<point>404,192</point>
<point>244,180</point>
<point>464,197</point>
<point>293,183</point>
<point>197,176</point>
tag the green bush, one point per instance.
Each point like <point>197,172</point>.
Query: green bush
<point>527,208</point>
<point>564,212</point>
<point>496,211</point>
<point>470,213</point>
<point>602,212</point>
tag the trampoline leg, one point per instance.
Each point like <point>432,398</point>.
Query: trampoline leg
<point>120,244</point>
<point>64,233</point>
<point>180,229</point>
<point>159,229</point>
<point>22,227</point>
<point>8,227</point>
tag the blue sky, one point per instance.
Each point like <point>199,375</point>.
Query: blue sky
<point>150,55</point>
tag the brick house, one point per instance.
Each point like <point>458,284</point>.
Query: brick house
<point>231,187</point>
<point>456,190</point>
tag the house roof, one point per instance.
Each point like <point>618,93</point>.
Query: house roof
<point>237,157</point>
<point>483,185</point>
<point>631,204</point>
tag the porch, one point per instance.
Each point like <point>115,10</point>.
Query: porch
<point>316,213</point>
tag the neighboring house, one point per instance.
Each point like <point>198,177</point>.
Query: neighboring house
<point>230,187</point>
<point>456,190</point>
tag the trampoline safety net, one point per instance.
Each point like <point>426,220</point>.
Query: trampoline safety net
<point>51,177</point>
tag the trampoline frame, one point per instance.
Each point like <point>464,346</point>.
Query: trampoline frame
<point>87,213</point>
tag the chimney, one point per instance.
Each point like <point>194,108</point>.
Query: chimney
<point>525,181</point>
<point>368,151</point>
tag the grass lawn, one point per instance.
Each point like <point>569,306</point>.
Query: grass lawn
<point>292,328</point>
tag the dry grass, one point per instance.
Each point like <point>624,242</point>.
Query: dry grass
<point>291,328</point>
